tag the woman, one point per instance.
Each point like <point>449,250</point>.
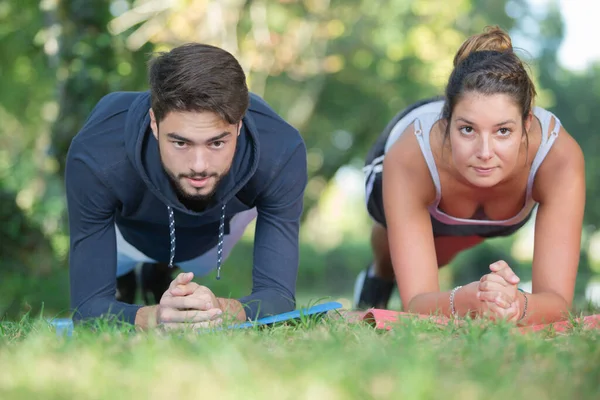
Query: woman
<point>448,173</point>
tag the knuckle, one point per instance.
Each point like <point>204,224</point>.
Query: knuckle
<point>163,314</point>
<point>189,316</point>
<point>165,301</point>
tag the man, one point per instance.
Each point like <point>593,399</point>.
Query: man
<point>174,176</point>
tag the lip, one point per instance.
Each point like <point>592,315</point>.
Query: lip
<point>198,183</point>
<point>484,171</point>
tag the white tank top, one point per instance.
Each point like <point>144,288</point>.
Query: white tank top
<point>426,116</point>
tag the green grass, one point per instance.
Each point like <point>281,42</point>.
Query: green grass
<point>325,359</point>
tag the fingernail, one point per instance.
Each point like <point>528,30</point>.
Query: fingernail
<point>209,305</point>
<point>219,312</point>
<point>478,294</point>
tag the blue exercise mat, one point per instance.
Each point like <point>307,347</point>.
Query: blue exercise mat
<point>292,315</point>
<point>64,326</point>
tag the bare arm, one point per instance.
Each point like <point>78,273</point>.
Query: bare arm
<point>560,190</point>
<point>407,190</point>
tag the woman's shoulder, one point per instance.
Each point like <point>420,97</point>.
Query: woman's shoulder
<point>406,161</point>
<point>564,161</point>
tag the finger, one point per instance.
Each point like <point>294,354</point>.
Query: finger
<point>510,313</point>
<point>514,312</point>
<point>178,326</point>
<point>498,295</point>
<point>501,268</point>
<point>494,312</point>
<point>189,316</point>
<point>498,298</point>
<point>494,277</point>
<point>184,290</point>
<point>489,281</point>
<point>498,265</point>
<point>182,279</point>
<point>199,302</point>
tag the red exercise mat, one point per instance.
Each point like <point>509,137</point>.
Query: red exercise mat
<point>385,319</point>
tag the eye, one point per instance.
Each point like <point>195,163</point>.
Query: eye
<point>504,131</point>
<point>179,144</point>
<point>217,144</point>
<point>466,130</point>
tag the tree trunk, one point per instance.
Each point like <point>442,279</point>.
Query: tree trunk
<point>86,60</point>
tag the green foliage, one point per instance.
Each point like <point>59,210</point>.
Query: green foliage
<point>329,273</point>
<point>92,63</point>
<point>338,70</point>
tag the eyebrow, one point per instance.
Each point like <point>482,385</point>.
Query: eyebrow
<point>179,138</point>
<point>508,121</point>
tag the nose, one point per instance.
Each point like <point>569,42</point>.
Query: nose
<point>200,161</point>
<point>486,148</point>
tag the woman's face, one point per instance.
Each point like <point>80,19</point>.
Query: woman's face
<point>486,135</point>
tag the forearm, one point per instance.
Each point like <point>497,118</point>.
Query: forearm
<point>465,302</point>
<point>232,309</point>
<point>543,308</point>
<point>102,307</point>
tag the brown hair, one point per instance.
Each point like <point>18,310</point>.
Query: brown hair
<point>198,77</point>
<point>486,64</point>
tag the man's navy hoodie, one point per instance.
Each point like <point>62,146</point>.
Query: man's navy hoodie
<point>114,176</point>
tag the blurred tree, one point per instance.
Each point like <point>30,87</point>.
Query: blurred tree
<point>338,70</point>
<point>91,63</point>
<point>574,99</point>
<point>25,109</point>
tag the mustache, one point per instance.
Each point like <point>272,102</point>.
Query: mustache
<point>198,175</point>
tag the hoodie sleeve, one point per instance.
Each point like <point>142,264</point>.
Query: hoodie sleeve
<point>276,252</point>
<point>92,254</point>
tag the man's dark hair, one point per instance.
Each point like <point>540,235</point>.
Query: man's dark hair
<point>198,77</point>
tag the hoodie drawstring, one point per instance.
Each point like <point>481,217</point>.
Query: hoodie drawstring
<point>172,235</point>
<point>219,244</point>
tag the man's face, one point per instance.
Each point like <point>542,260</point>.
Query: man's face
<point>196,151</point>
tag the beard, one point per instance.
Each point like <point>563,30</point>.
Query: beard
<point>195,202</point>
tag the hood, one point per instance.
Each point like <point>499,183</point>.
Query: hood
<point>142,150</point>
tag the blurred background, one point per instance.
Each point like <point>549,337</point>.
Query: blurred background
<point>338,70</point>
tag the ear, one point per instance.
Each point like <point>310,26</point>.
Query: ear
<point>153,124</point>
<point>239,128</point>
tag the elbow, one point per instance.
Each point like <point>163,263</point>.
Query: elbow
<point>567,302</point>
<point>563,302</point>
<point>288,305</point>
<point>90,308</point>
<point>280,303</point>
<point>86,309</point>
<point>268,302</point>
